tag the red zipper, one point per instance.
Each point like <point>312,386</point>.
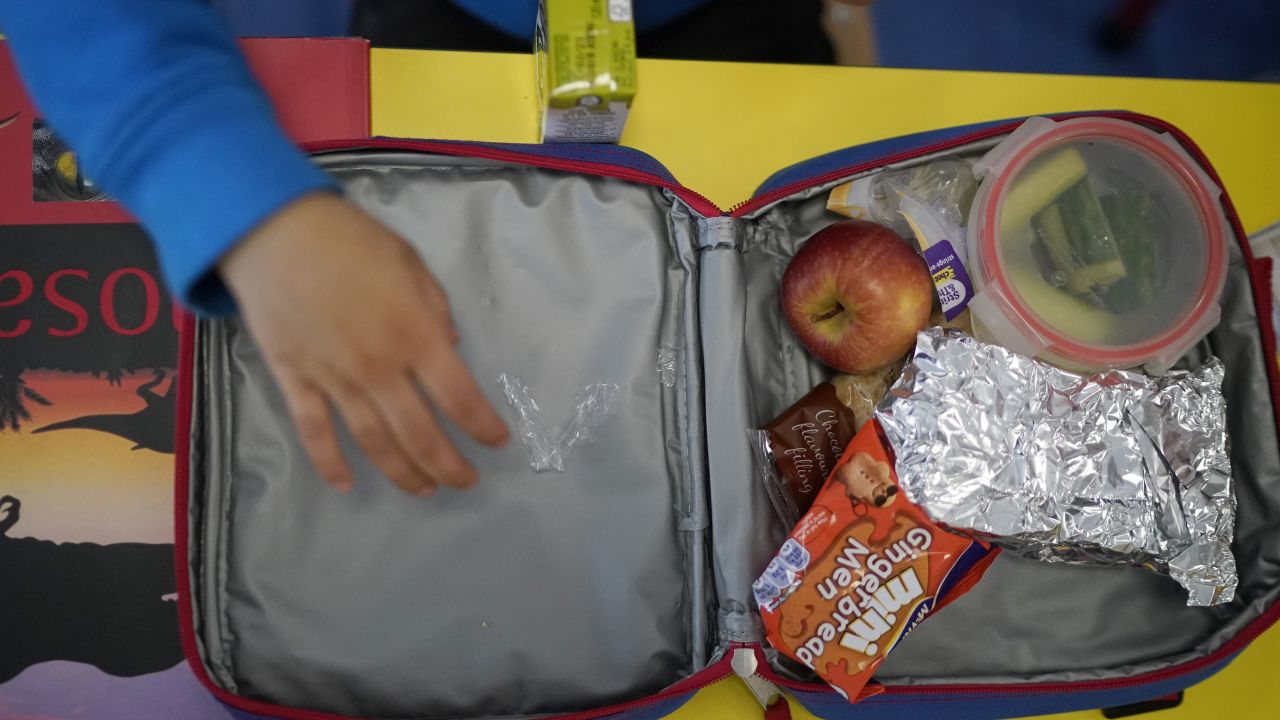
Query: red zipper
<point>722,670</point>
<point>759,201</point>
<point>708,676</point>
<point>695,200</point>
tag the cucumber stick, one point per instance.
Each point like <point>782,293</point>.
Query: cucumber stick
<point>1035,188</point>
<point>1058,261</point>
<point>1063,311</point>
<point>1132,217</point>
<point>1065,250</point>
<point>1087,227</point>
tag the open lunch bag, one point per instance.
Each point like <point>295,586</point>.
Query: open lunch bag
<point>622,585</point>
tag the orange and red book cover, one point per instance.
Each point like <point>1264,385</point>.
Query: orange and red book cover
<point>88,351</point>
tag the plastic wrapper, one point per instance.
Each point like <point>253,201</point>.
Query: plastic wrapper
<point>1108,469</point>
<point>943,246</point>
<point>668,359</point>
<point>799,448</point>
<point>862,569</point>
<point>550,445</point>
<point>929,202</point>
<point>945,186</point>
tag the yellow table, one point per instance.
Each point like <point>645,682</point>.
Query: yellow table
<point>721,128</point>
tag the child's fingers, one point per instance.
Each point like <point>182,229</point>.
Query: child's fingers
<point>314,422</point>
<point>375,437</point>
<point>437,302</point>
<point>358,343</point>
<point>454,391</point>
<point>405,409</point>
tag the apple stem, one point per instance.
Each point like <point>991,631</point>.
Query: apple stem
<point>834,311</point>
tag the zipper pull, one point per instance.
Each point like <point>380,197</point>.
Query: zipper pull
<point>745,666</point>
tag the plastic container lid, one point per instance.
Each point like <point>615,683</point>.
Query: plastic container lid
<point>1095,243</point>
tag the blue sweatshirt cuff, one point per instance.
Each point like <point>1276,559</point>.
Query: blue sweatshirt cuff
<point>212,185</point>
<point>168,119</point>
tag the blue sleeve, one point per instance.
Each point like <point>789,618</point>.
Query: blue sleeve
<point>164,114</point>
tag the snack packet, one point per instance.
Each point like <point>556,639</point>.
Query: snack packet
<point>800,447</point>
<point>862,568</point>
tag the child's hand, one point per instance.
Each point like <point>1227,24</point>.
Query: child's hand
<point>349,319</point>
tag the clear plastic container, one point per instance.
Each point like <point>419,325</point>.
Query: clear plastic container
<point>1095,244</point>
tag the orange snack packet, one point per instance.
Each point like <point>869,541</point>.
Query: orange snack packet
<point>861,569</point>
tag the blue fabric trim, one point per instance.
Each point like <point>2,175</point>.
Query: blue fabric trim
<point>959,706</point>
<point>584,152</point>
<point>873,151</point>
<point>654,712</point>
<point>859,154</point>
<point>986,706</point>
<point>651,712</point>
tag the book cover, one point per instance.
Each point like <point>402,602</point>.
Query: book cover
<point>88,351</point>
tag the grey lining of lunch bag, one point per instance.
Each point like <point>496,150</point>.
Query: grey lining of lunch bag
<point>205,463</point>
<point>736,496</point>
<point>1029,621</point>
<point>211,401</point>
<point>525,632</point>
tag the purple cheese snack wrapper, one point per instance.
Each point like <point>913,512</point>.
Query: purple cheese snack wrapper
<point>950,279</point>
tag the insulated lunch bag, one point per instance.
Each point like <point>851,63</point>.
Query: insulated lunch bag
<point>621,585</point>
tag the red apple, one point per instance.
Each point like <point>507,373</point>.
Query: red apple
<point>856,295</point>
